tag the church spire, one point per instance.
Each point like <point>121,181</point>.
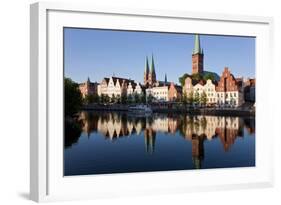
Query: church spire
<point>152,68</point>
<point>197,47</point>
<point>146,72</point>
<point>165,79</point>
<point>152,73</point>
<point>197,56</point>
<point>146,69</point>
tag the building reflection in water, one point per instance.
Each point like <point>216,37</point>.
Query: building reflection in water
<point>196,129</point>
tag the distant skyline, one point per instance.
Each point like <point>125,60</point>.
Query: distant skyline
<point>97,53</point>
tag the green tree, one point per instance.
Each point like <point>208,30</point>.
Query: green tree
<point>88,99</point>
<point>102,98</point>
<point>203,98</point>
<point>72,97</point>
<point>178,99</point>
<point>137,98</point>
<point>149,98</point>
<point>182,79</point>
<point>197,97</point>
<point>184,98</point>
<point>118,99</point>
<point>92,98</point>
<point>106,99</point>
<point>197,76</point>
<point>130,99</point>
<point>143,98</point>
<point>96,98</point>
<point>190,98</point>
<point>209,76</point>
<point>113,99</point>
<point>124,98</point>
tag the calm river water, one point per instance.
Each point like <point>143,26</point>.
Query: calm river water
<point>112,142</point>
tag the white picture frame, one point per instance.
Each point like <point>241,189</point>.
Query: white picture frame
<point>46,177</point>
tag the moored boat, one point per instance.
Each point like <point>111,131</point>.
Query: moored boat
<point>140,109</point>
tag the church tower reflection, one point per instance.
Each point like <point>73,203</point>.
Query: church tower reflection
<point>197,142</point>
<point>149,140</point>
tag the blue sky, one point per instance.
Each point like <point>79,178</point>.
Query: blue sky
<point>102,53</point>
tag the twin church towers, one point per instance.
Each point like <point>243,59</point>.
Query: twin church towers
<point>197,64</point>
<point>149,73</point>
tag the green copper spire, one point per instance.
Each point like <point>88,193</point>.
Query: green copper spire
<point>146,69</point>
<point>197,48</point>
<point>152,68</point>
<point>166,79</point>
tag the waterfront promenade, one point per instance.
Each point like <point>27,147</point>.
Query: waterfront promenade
<point>179,108</point>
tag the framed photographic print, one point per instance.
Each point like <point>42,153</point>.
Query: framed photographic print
<point>127,102</point>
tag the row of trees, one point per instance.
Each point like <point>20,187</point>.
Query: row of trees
<point>72,97</point>
<point>116,99</point>
<point>194,98</point>
<point>197,76</point>
<point>191,98</point>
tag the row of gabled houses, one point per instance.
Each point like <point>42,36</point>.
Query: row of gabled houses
<point>228,91</point>
<point>223,90</point>
<point>112,86</point>
<point>115,86</point>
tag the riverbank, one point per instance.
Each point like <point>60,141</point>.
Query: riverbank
<point>241,111</point>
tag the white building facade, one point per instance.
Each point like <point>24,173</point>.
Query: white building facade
<point>198,88</point>
<point>114,86</point>
<point>158,93</point>
<point>210,90</point>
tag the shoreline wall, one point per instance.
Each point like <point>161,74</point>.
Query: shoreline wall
<point>194,111</point>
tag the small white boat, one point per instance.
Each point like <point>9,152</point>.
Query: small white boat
<point>140,109</point>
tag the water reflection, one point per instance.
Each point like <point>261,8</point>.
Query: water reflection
<point>195,129</point>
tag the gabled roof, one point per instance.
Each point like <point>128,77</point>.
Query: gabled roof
<point>89,82</point>
<point>121,80</point>
<point>177,87</point>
